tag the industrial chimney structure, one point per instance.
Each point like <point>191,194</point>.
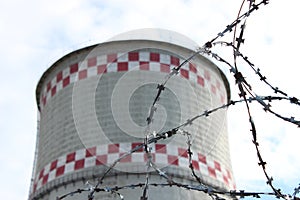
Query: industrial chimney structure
<point>93,104</point>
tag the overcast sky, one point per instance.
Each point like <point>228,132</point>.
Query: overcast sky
<point>34,34</point>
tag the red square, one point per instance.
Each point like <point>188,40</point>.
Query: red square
<point>66,81</point>
<point>60,171</point>
<point>217,166</point>
<point>202,158</point>
<point>53,91</point>
<point>101,160</point>
<point>59,76</point>
<point>228,174</point>
<point>48,86</point>
<point>90,152</point>
<point>34,187</point>
<point>53,165</point>
<point>144,66</point>
<point>74,68</point>
<point>101,69</point>
<point>154,57</point>
<point>44,99</point>
<point>92,62</point>
<point>41,174</point>
<point>133,56</point>
<point>213,89</point>
<point>70,157</point>
<point>172,160</point>
<point>174,61</point>
<point>200,80</point>
<point>122,66</point>
<point>79,164</point>
<point>225,180</point>
<point>184,73</point>
<point>222,98</point>
<point>133,145</point>
<point>212,172</point>
<point>45,179</point>
<point>193,67</point>
<point>165,68</point>
<point>82,74</point>
<point>160,148</point>
<point>195,165</point>
<point>218,85</point>
<point>113,148</point>
<point>112,58</point>
<point>182,152</point>
<point>206,75</point>
<point>126,159</point>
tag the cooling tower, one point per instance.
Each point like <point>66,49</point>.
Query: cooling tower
<point>93,106</point>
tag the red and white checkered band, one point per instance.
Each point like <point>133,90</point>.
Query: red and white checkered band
<point>162,154</point>
<point>122,62</point>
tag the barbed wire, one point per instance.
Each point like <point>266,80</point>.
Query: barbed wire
<point>240,81</point>
<point>244,89</point>
<point>214,193</point>
<point>113,190</point>
<point>164,135</point>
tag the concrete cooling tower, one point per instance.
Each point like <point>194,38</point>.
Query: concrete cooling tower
<point>93,106</point>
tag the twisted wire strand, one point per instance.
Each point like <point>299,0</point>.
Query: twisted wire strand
<point>168,134</point>
<point>244,89</point>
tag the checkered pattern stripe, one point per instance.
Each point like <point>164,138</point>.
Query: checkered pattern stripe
<point>122,62</point>
<point>163,154</point>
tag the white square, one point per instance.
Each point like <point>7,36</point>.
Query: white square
<point>80,154</point>
<point>92,71</point>
<point>47,169</point>
<point>112,67</point>
<point>194,155</point>
<point>193,77</point>
<point>53,82</point>
<point>185,66</point>
<point>210,163</point>
<point>74,77</point>
<point>161,158</point>
<point>219,175</point>
<point>172,150</point>
<point>166,59</point>
<point>101,150</point>
<point>66,73</point>
<point>44,91</point>
<point>59,86</point>
<point>101,60</point>
<point>90,161</point>
<point>200,71</point>
<point>122,57</point>
<point>48,95</point>
<point>203,169</point>
<point>61,161</point>
<point>155,67</point>
<point>137,157</point>
<point>51,175</point>
<point>69,167</point>
<point>125,147</point>
<point>111,158</point>
<point>223,170</point>
<point>183,162</point>
<point>82,65</point>
<point>39,183</point>
<point>133,65</point>
<point>144,56</point>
